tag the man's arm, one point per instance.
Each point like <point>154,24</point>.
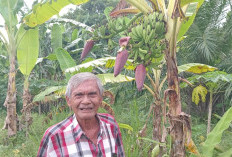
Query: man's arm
<point>119,143</point>
<point>43,148</point>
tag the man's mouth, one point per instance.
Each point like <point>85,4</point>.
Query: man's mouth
<point>86,109</point>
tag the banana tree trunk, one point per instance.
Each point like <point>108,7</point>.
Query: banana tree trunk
<point>27,119</point>
<point>157,123</point>
<point>157,120</point>
<point>210,110</point>
<point>10,102</point>
<point>176,124</point>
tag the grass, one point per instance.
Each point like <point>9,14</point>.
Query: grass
<point>133,113</point>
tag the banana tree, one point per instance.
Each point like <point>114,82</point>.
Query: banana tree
<point>153,36</point>
<point>27,54</point>
<point>8,10</point>
<point>41,13</point>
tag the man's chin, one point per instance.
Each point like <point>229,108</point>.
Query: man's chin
<point>87,116</point>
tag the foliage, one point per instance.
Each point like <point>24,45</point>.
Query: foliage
<point>199,91</point>
<point>208,38</point>
<point>28,50</point>
<point>215,77</point>
<point>92,13</point>
<point>43,12</point>
<point>214,137</point>
<point>195,68</point>
<point>48,91</point>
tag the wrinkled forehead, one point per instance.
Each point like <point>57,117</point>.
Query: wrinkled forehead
<point>89,84</point>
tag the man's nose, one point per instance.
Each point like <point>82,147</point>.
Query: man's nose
<point>86,99</point>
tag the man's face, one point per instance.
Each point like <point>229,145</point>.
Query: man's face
<point>85,100</point>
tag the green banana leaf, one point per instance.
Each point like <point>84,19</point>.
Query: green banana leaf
<point>60,90</point>
<point>196,68</point>
<point>125,126</point>
<point>107,61</point>
<point>56,37</point>
<point>214,137</point>
<point>42,12</point>
<point>109,78</point>
<point>210,78</point>
<point>93,63</point>
<point>9,9</point>
<point>48,91</point>
<point>184,27</point>
<point>215,77</point>
<point>72,22</point>
<point>73,43</point>
<point>64,58</point>
<point>28,51</point>
<point>51,57</point>
<point>228,153</point>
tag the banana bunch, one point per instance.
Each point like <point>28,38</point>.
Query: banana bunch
<point>147,36</point>
<point>113,27</point>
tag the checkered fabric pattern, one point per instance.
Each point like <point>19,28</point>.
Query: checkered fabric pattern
<point>67,139</point>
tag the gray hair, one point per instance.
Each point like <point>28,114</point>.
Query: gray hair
<point>77,79</point>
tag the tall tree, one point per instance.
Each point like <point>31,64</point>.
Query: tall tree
<point>9,10</point>
<point>206,38</point>
<point>173,15</point>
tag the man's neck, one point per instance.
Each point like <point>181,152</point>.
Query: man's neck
<point>88,124</point>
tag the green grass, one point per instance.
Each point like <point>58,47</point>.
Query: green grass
<point>22,146</point>
<point>133,113</point>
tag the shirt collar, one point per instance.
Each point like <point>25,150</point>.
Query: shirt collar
<point>78,132</point>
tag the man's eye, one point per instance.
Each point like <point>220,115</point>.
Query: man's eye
<point>92,94</point>
<point>79,95</point>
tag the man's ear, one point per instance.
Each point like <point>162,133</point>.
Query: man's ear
<point>101,99</point>
<point>68,100</point>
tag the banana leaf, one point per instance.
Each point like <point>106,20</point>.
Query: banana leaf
<point>42,12</point>
<point>214,137</point>
<point>28,51</point>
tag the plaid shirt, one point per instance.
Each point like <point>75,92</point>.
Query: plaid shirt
<point>67,139</point>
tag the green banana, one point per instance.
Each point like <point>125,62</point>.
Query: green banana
<point>95,33</point>
<point>158,26</point>
<point>150,18</point>
<point>144,34</point>
<point>142,51</point>
<point>148,29</point>
<point>145,21</point>
<point>139,44</point>
<point>131,54</point>
<point>134,34</point>
<point>141,55</point>
<point>156,14</point>
<point>147,57</point>
<point>135,55</point>
<point>152,42</point>
<point>139,30</point>
<point>148,33</point>
<point>160,17</point>
<point>102,30</point>
<point>150,36</point>
<point>133,31</point>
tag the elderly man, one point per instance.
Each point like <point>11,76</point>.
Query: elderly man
<point>86,133</point>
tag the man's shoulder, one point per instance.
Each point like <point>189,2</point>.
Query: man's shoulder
<point>59,127</point>
<point>107,118</point>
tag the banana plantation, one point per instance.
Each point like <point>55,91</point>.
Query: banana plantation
<point>165,66</point>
